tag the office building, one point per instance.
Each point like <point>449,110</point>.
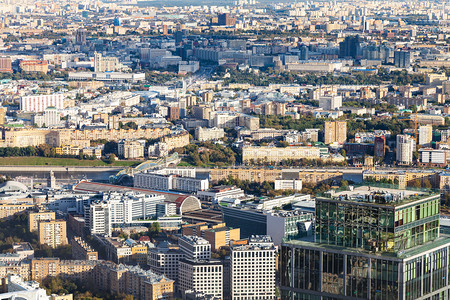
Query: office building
<point>335,132</point>
<point>121,210</point>
<point>53,233</point>
<point>392,250</point>
<point>169,182</point>
<point>432,157</point>
<point>195,247</point>
<point>253,269</point>
<point>261,221</point>
<point>405,148</point>
<point>204,276</point>
<point>330,102</point>
<point>164,260</point>
<point>288,184</point>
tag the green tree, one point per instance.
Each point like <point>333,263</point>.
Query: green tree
<point>112,158</point>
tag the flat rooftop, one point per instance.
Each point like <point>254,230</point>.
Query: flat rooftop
<point>388,197</point>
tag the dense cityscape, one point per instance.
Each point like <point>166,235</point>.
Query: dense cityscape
<point>224,150</point>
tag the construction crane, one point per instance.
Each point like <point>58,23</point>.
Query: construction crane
<point>415,127</point>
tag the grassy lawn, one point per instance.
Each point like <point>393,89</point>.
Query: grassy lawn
<point>53,161</point>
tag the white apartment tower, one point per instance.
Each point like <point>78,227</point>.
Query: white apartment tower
<point>425,134</point>
<point>98,218</point>
<point>405,148</point>
<point>253,269</point>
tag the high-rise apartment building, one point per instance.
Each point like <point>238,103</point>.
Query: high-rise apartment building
<point>379,145</point>
<point>425,134</point>
<point>405,148</point>
<point>35,217</point>
<point>375,245</point>
<point>53,233</point>
<point>335,131</point>
<point>252,269</point>
<point>5,64</point>
<point>402,59</point>
<point>80,37</point>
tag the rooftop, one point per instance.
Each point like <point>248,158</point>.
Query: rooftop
<point>379,196</point>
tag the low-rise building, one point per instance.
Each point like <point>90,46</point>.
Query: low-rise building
<point>209,134</point>
<point>131,149</point>
<point>288,184</point>
<point>253,154</point>
<point>218,235</point>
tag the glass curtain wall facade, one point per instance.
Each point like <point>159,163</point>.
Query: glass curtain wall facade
<point>369,250</point>
<point>308,273</point>
<point>370,226</point>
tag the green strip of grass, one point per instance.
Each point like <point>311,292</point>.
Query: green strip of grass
<point>53,161</point>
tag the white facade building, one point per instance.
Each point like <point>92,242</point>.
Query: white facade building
<point>253,269</point>
<point>405,148</point>
<point>39,103</point>
<point>164,261</point>
<point>195,247</point>
<point>169,182</point>
<point>204,276</point>
<point>208,134</point>
<point>285,184</point>
<point>433,156</point>
<point>330,102</point>
<point>98,218</point>
<point>120,209</point>
<point>425,134</point>
<point>50,117</point>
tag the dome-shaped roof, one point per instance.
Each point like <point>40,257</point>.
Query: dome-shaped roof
<point>13,186</point>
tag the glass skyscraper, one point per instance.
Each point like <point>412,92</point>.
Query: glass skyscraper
<point>378,245</point>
